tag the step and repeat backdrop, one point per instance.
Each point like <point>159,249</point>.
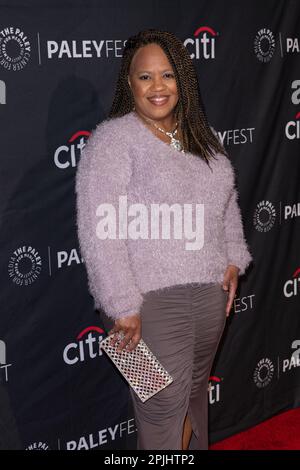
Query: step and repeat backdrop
<point>59,62</point>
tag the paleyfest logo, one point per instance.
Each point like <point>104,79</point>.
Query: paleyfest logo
<point>14,49</point>
<point>293,361</point>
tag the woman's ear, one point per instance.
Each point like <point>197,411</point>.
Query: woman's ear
<point>128,79</point>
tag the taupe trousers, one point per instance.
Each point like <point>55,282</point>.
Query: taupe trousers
<point>182,325</point>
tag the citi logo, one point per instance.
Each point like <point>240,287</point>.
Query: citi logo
<point>203,44</point>
<point>214,389</point>
<point>65,156</point>
<point>292,128</point>
<point>291,287</point>
<point>86,346</point>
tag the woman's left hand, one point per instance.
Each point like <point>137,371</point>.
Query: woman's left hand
<point>230,284</point>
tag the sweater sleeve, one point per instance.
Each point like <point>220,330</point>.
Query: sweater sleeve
<point>237,248</point>
<point>103,173</point>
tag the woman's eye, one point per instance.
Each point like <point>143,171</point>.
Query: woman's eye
<point>168,75</point>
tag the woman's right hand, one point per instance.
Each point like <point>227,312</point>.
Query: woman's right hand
<point>132,329</point>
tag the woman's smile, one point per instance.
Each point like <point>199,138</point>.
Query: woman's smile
<point>159,100</point>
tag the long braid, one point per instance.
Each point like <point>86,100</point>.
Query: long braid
<point>198,137</point>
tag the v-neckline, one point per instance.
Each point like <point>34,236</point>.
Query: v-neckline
<point>186,156</point>
<point>165,145</point>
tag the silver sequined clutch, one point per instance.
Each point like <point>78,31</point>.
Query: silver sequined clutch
<point>140,367</point>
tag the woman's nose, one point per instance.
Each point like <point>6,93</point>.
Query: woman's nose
<point>158,83</point>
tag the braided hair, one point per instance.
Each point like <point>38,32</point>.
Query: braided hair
<point>199,137</point>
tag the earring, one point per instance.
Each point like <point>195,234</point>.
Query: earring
<point>133,109</point>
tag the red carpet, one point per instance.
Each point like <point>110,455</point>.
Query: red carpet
<point>281,432</point>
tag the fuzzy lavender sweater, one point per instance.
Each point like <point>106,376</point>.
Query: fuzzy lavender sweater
<point>124,158</point>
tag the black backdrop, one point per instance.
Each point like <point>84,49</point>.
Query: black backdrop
<point>58,66</point>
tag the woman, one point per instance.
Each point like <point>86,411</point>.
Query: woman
<point>156,147</point>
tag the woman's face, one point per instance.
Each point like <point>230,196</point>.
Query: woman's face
<point>152,81</point>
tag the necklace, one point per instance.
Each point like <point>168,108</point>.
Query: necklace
<point>175,143</point>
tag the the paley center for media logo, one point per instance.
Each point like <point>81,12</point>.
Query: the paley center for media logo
<point>15,48</point>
